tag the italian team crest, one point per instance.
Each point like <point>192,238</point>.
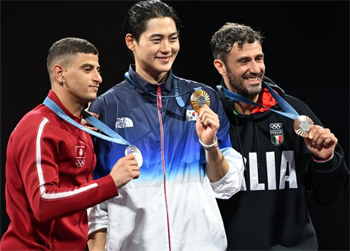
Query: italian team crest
<point>80,155</point>
<point>276,133</point>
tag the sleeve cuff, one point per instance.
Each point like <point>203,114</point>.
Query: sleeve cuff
<point>325,165</point>
<point>232,181</point>
<point>317,160</point>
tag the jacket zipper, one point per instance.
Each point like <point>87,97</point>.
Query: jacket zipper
<point>49,241</point>
<point>159,105</point>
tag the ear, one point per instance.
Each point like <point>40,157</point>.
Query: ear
<point>57,71</point>
<point>220,67</point>
<point>130,42</point>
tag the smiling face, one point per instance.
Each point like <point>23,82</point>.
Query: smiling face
<point>81,78</point>
<point>156,50</point>
<point>244,69</point>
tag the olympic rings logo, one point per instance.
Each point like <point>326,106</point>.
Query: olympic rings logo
<point>276,126</point>
<point>80,162</point>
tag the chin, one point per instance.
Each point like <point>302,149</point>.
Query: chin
<point>91,98</point>
<point>166,66</point>
<point>254,91</point>
<point>164,69</point>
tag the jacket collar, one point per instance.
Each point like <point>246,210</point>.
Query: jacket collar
<point>52,95</point>
<point>265,98</point>
<point>166,86</point>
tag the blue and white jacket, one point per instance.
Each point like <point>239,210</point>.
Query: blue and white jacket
<point>173,183</point>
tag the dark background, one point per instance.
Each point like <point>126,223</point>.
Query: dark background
<point>306,53</point>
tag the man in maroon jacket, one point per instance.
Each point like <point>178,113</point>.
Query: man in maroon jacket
<point>49,181</point>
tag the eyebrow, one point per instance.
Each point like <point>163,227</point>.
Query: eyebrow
<point>89,65</point>
<point>243,59</point>
<point>162,35</point>
<point>248,58</point>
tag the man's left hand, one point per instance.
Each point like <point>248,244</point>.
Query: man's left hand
<point>321,142</point>
<point>207,125</point>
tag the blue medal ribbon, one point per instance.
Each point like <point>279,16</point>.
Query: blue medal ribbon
<point>112,135</point>
<point>289,111</point>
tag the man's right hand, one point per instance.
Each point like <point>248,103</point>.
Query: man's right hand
<point>125,170</point>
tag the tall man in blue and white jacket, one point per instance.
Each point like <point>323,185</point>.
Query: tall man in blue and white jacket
<point>188,160</point>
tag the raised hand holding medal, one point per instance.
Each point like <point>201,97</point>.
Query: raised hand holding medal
<point>320,141</point>
<point>207,122</point>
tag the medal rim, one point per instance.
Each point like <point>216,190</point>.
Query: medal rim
<point>138,154</point>
<point>194,97</point>
<point>297,128</point>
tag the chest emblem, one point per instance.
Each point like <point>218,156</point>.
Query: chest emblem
<point>124,122</point>
<point>191,115</point>
<point>276,132</point>
<point>80,155</point>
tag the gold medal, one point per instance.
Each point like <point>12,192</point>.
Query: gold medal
<point>198,99</point>
<point>302,125</point>
<point>135,151</point>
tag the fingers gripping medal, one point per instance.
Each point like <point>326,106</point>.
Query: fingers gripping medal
<point>302,125</point>
<point>135,151</point>
<point>198,99</point>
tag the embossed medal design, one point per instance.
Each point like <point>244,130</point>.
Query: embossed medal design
<point>302,125</point>
<point>135,151</point>
<point>198,99</point>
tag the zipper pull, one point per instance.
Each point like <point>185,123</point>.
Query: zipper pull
<point>159,97</point>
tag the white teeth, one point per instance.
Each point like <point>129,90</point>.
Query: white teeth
<point>253,79</point>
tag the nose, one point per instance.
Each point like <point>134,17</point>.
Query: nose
<point>255,67</point>
<point>98,78</point>
<point>165,46</point>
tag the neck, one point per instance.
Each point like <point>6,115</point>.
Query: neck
<point>74,108</point>
<point>243,108</point>
<point>69,102</point>
<point>152,78</point>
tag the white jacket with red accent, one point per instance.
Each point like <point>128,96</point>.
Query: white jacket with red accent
<point>171,206</point>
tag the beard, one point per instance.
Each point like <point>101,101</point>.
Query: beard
<point>238,85</point>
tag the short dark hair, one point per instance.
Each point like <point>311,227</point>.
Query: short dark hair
<point>135,21</point>
<point>230,33</point>
<point>68,47</point>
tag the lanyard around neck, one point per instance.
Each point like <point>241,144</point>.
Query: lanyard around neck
<point>289,111</point>
<point>112,135</point>
<point>177,96</point>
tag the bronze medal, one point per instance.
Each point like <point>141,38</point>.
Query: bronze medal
<point>302,125</point>
<point>198,99</point>
<point>135,151</point>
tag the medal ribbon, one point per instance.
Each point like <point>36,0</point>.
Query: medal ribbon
<point>288,112</point>
<point>112,135</point>
<point>178,97</point>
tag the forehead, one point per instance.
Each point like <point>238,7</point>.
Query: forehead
<point>160,25</point>
<point>85,58</point>
<point>247,49</point>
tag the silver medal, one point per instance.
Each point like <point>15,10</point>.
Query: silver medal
<point>135,151</point>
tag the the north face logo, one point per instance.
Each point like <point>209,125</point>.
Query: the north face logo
<point>123,123</point>
<point>276,133</point>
